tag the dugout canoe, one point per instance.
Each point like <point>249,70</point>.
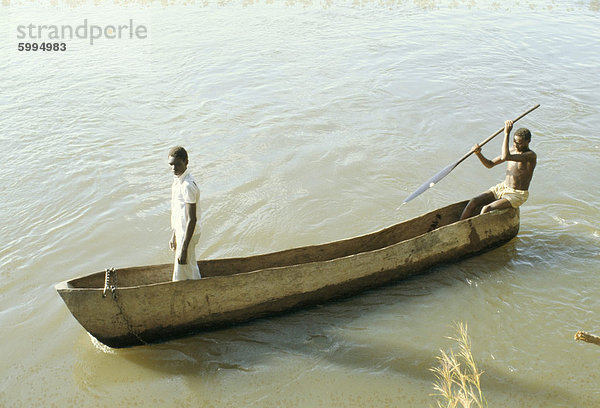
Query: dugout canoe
<point>140,305</point>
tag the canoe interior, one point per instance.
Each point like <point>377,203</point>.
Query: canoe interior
<point>148,275</point>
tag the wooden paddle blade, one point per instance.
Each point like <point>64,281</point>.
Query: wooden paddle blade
<point>431,182</point>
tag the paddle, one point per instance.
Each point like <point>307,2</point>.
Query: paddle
<point>435,179</point>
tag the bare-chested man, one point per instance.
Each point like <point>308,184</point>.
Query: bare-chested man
<point>512,192</point>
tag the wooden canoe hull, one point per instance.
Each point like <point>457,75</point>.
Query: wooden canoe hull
<point>149,308</point>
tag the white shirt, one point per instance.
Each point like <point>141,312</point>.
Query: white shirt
<point>184,190</point>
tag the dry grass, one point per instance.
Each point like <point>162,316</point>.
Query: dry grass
<point>457,377</point>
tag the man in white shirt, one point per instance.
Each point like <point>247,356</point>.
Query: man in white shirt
<point>185,196</point>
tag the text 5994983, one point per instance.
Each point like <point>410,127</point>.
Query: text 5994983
<point>45,46</point>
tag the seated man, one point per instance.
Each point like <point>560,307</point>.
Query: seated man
<point>512,192</point>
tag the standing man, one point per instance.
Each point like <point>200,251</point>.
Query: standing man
<point>185,196</point>
<point>513,191</point>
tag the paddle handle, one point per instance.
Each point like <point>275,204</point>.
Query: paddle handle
<point>496,134</point>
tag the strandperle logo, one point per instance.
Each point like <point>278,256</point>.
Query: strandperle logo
<point>83,31</point>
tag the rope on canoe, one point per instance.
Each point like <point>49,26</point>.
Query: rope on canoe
<point>110,282</point>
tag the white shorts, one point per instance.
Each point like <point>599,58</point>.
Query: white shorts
<point>515,197</point>
<point>190,270</point>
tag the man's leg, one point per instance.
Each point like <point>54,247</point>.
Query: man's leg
<point>192,261</point>
<point>178,272</point>
<point>496,205</point>
<point>481,200</point>
<point>190,270</point>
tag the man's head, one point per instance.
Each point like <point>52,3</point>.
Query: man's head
<point>521,139</point>
<point>178,160</point>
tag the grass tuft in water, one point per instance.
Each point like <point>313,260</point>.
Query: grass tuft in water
<point>457,377</point>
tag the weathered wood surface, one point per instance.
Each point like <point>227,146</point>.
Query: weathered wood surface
<point>149,308</point>
<point>587,337</point>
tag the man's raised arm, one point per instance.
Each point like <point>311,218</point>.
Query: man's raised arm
<point>484,160</point>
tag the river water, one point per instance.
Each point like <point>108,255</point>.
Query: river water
<point>306,122</point>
